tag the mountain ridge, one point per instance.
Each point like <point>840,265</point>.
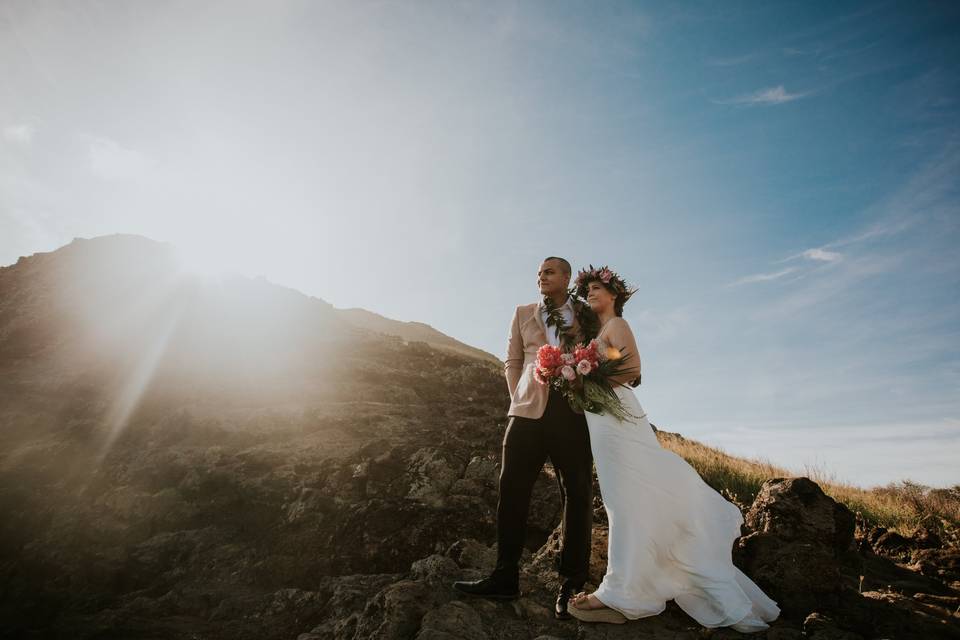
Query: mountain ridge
<point>135,245</point>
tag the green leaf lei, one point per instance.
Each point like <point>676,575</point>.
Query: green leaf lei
<point>555,319</point>
<point>589,324</point>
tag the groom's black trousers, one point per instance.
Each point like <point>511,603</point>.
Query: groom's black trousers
<point>562,435</point>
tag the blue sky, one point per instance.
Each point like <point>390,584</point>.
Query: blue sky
<point>777,179</point>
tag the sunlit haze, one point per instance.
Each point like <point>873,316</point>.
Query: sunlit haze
<point>778,180</point>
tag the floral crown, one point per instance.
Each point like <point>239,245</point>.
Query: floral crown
<point>605,275</point>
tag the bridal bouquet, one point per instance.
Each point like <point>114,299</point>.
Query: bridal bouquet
<point>583,376</point>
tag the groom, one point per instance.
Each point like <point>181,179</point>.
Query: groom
<point>541,424</point>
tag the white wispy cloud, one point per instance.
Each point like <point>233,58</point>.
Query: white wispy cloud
<point>927,195</point>
<point>18,133</point>
<point>904,235</point>
<point>817,254</point>
<point>822,255</point>
<point>931,189</point>
<point>834,283</point>
<point>768,96</point>
<point>762,277</point>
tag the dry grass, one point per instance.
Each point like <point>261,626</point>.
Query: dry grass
<point>902,506</point>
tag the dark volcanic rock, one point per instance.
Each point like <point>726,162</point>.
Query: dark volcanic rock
<point>797,509</point>
<point>817,626</point>
<point>396,611</point>
<point>924,551</point>
<point>801,552</point>
<point>800,536</point>
<point>942,564</point>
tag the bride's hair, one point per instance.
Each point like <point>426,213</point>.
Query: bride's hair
<point>610,281</point>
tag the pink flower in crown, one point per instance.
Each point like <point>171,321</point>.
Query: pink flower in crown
<point>605,275</point>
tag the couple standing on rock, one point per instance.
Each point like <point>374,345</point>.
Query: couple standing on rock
<point>670,534</point>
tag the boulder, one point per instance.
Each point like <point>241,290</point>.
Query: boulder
<point>395,612</point>
<point>472,554</point>
<point>452,621</point>
<point>431,474</point>
<point>800,537</point>
<point>435,569</point>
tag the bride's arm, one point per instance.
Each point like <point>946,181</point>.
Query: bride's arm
<point>620,335</point>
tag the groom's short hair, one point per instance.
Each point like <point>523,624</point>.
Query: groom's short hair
<point>563,263</point>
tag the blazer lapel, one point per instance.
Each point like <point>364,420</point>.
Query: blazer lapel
<point>537,322</point>
<point>539,318</point>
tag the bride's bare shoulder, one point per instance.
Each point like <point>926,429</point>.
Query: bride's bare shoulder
<point>619,323</point>
<point>616,326</point>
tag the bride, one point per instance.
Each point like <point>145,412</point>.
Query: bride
<point>670,534</point>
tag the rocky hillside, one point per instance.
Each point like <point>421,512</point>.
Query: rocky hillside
<point>411,331</point>
<point>180,459</point>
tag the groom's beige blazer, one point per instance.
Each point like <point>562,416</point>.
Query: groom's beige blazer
<point>528,398</point>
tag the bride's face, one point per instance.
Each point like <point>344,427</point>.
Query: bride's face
<point>599,298</point>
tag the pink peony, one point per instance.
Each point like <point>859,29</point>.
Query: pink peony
<point>568,373</point>
<point>584,367</point>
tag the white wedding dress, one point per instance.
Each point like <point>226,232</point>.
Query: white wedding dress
<point>671,534</point>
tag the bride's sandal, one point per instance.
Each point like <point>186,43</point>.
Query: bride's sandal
<point>591,613</point>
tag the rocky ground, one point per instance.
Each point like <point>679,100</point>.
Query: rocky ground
<point>211,535</point>
<point>800,548</point>
<point>187,513</point>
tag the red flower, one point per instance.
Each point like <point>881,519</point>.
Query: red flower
<point>549,363</point>
<point>549,357</point>
<point>588,353</point>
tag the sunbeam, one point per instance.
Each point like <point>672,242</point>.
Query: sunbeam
<point>168,309</point>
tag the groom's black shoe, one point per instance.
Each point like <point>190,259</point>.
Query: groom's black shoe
<point>563,598</point>
<point>489,588</point>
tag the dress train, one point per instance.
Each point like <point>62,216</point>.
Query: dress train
<point>670,534</point>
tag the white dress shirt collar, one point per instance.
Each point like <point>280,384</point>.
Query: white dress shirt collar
<point>566,311</point>
<point>567,305</point>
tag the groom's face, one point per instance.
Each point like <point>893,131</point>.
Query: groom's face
<point>551,278</point>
